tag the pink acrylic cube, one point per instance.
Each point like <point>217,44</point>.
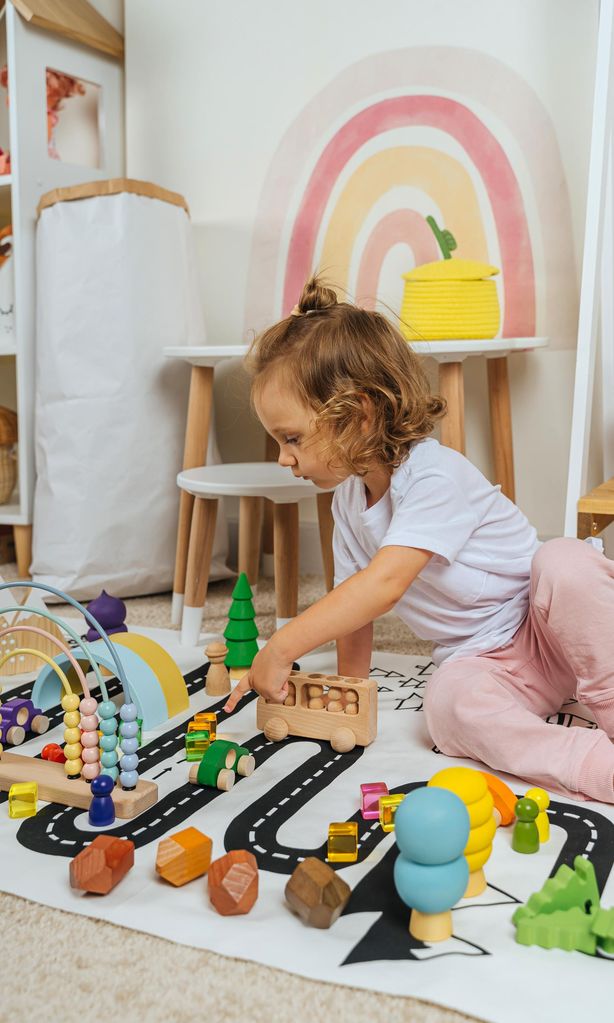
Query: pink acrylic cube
<point>370,794</point>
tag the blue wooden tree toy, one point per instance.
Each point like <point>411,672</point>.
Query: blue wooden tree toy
<point>430,873</point>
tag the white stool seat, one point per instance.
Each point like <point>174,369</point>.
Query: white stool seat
<point>250,482</point>
<point>247,479</point>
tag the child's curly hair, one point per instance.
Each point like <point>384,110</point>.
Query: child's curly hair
<point>333,355</point>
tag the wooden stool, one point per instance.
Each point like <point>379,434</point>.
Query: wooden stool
<point>251,482</point>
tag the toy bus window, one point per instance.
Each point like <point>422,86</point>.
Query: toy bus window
<point>73,119</point>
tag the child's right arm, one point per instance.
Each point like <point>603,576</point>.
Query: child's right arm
<point>354,652</point>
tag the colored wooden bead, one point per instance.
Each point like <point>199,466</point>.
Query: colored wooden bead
<point>233,882</point>
<point>316,893</point>
<point>196,745</point>
<point>184,856</point>
<point>22,799</point>
<point>102,865</point>
<point>343,842</point>
<point>128,729</point>
<point>370,794</point>
<point>388,806</point>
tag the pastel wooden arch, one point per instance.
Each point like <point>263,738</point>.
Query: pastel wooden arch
<point>73,635</point>
<point>146,689</point>
<point>56,642</point>
<point>118,667</point>
<point>43,657</point>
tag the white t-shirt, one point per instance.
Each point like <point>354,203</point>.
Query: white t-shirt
<point>473,594</point>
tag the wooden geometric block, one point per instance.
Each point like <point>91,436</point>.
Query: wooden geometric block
<point>317,893</point>
<point>184,856</point>
<point>101,865</point>
<point>233,882</point>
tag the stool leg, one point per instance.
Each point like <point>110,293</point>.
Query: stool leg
<point>271,453</point>
<point>22,536</point>
<point>250,529</point>
<point>326,524</point>
<point>451,388</point>
<point>186,505</point>
<point>198,421</point>
<point>285,551</point>
<point>501,424</point>
<point>199,564</point>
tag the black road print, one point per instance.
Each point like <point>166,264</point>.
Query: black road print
<point>53,830</point>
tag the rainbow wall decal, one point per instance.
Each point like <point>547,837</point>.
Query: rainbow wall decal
<point>403,133</point>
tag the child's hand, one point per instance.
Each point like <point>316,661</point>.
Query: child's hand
<point>268,676</point>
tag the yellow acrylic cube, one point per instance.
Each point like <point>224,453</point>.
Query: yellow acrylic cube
<point>388,806</point>
<point>204,722</point>
<point>343,842</point>
<point>22,799</point>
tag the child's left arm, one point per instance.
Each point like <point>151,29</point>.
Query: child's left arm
<point>354,603</point>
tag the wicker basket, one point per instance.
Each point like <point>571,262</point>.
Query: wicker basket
<point>8,459</point>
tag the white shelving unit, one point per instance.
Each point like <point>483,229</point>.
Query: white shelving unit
<point>77,42</point>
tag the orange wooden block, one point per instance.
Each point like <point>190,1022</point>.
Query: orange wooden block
<point>503,798</point>
<point>102,865</point>
<point>233,882</point>
<point>184,856</point>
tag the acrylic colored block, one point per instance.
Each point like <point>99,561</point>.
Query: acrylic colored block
<point>196,745</point>
<point>22,799</point>
<point>388,806</point>
<point>370,794</point>
<point>343,842</point>
<point>206,721</point>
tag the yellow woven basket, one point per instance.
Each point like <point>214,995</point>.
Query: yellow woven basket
<point>450,300</point>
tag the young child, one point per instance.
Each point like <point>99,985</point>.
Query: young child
<point>517,627</point>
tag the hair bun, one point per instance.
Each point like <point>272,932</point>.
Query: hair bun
<point>315,297</point>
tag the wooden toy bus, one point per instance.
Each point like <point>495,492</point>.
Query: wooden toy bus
<point>334,707</point>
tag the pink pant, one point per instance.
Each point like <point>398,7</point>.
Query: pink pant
<point>491,707</point>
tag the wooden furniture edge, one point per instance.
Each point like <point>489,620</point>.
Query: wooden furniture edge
<point>79,21</point>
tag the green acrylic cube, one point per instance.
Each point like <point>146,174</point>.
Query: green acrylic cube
<point>196,745</point>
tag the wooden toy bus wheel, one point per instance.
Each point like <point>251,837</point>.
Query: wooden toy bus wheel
<point>40,724</point>
<point>343,740</point>
<point>245,766</point>
<point>276,729</point>
<point>225,779</point>
<point>15,735</point>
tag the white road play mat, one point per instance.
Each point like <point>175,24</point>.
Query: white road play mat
<point>282,814</point>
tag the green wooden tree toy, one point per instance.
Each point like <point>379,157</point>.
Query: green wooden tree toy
<point>241,632</point>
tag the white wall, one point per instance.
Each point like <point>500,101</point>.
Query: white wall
<point>213,92</point>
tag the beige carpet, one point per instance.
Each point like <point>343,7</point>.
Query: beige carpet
<point>147,979</point>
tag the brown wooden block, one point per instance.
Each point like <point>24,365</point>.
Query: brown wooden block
<point>233,882</point>
<point>184,856</point>
<point>317,893</point>
<point>102,865</point>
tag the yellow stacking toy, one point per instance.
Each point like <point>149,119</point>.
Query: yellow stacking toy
<point>472,788</point>
<point>450,299</point>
